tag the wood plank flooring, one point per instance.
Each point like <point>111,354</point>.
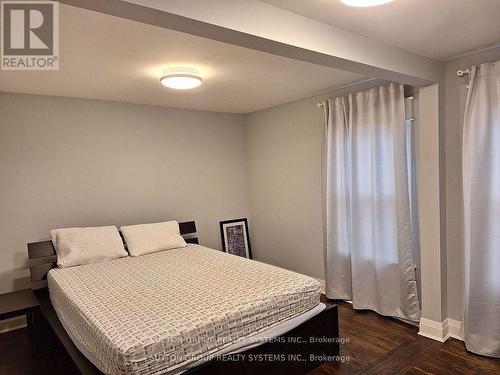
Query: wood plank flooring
<point>380,345</point>
<point>376,345</point>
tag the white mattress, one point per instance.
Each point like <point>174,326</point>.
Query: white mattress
<point>165,312</point>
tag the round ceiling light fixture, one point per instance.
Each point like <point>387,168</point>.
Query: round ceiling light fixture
<point>181,80</point>
<point>365,3</point>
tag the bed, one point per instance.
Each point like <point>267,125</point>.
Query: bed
<point>185,310</point>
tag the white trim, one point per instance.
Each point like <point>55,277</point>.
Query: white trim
<point>11,324</point>
<point>433,330</point>
<point>454,327</point>
<point>440,331</point>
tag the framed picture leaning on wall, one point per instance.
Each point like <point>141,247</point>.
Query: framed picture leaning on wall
<point>235,238</point>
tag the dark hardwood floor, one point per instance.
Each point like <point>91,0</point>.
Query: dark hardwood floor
<point>376,345</point>
<point>22,354</point>
<point>379,345</point>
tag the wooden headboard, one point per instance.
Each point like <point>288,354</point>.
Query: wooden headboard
<point>42,255</point>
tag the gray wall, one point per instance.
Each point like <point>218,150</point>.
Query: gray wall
<point>73,162</point>
<point>284,148</point>
<point>455,105</point>
<point>284,174</point>
<point>66,162</point>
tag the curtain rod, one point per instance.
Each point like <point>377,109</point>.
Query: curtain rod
<point>320,105</point>
<point>463,72</point>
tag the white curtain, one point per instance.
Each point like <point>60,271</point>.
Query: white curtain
<point>481,174</point>
<point>369,253</point>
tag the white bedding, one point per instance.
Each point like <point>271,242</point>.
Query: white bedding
<point>162,312</point>
<point>246,343</point>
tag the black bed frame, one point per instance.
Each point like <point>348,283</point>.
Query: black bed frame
<point>296,352</point>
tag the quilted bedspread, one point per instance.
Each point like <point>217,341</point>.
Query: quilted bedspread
<point>162,312</point>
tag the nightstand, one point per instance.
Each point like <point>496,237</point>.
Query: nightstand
<point>22,302</point>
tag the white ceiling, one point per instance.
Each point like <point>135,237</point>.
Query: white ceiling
<point>439,29</point>
<point>109,58</point>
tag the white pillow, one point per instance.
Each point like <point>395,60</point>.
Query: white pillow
<point>76,246</point>
<point>149,238</point>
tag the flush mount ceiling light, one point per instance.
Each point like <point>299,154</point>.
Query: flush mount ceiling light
<point>181,80</point>
<point>365,3</point>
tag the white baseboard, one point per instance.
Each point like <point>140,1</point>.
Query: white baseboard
<point>433,330</point>
<point>440,331</point>
<point>11,324</point>
<point>454,327</point>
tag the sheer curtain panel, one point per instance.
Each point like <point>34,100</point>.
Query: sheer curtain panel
<point>369,250</point>
<point>481,174</point>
